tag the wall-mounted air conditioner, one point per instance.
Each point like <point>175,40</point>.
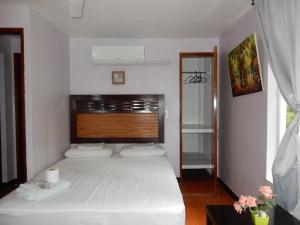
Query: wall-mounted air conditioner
<point>123,56</point>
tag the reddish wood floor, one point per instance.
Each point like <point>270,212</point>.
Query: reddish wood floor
<point>197,194</point>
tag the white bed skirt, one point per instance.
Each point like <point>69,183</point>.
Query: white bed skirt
<point>90,218</point>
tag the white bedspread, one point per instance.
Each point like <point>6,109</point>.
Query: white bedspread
<point>107,191</point>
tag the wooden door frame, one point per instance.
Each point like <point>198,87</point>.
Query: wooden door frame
<point>213,54</point>
<point>215,118</point>
<point>21,149</point>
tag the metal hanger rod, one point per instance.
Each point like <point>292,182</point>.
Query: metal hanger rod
<point>195,72</point>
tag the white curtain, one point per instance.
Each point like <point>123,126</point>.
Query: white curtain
<point>280,26</point>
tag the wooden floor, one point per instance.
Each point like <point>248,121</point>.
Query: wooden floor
<point>197,194</point>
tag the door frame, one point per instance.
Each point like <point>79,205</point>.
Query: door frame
<point>21,131</point>
<point>213,54</point>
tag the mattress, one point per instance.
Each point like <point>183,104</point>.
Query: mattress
<point>106,191</point>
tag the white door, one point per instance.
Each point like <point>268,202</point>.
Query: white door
<point>3,121</point>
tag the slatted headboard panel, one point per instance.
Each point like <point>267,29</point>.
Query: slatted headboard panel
<point>117,118</point>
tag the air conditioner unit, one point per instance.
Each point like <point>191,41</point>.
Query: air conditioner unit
<point>123,56</point>
<point>118,55</point>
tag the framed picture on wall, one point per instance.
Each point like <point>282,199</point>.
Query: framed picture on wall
<point>244,67</point>
<point>118,77</point>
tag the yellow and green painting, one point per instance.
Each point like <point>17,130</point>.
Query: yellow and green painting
<point>244,68</point>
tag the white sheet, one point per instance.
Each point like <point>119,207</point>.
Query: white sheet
<point>107,191</point>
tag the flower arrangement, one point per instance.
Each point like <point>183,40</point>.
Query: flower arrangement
<point>259,206</point>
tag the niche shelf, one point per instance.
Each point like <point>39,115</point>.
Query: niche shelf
<point>196,128</point>
<point>196,160</point>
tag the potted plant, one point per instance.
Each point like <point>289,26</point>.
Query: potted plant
<point>259,207</point>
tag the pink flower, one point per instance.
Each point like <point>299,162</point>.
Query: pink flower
<point>265,200</point>
<point>251,201</point>
<point>238,207</point>
<point>243,200</point>
<point>266,191</point>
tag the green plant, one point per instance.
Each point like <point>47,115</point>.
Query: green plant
<point>260,206</point>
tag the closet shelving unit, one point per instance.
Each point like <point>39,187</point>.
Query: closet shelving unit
<point>196,160</point>
<point>199,112</point>
<point>196,128</point>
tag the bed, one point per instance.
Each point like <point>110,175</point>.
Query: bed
<point>108,191</point>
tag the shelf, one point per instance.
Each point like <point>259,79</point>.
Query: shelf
<point>196,128</point>
<point>194,160</point>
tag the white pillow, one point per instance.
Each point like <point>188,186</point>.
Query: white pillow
<point>91,146</point>
<point>129,151</point>
<point>147,145</point>
<point>89,153</point>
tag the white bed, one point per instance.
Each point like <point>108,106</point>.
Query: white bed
<point>107,191</point>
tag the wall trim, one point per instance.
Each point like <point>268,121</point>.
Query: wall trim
<point>228,190</point>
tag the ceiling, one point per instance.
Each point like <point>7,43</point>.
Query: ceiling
<point>143,18</point>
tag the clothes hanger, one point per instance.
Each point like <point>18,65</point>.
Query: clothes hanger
<point>194,79</point>
<point>198,78</point>
<point>202,78</point>
<point>188,79</point>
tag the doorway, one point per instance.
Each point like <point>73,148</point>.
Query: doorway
<point>198,116</point>
<point>12,109</point>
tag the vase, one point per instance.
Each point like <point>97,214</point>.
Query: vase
<point>259,220</point>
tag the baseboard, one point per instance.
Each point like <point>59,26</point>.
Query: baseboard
<point>228,190</point>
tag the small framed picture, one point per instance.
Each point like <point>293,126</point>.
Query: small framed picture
<point>118,77</point>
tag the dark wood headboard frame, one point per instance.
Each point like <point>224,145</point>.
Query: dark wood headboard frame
<point>121,106</point>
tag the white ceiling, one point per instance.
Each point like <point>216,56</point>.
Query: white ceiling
<point>143,18</point>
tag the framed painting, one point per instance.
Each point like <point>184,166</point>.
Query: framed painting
<point>118,77</point>
<point>244,67</point>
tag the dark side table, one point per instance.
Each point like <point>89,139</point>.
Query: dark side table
<point>226,215</point>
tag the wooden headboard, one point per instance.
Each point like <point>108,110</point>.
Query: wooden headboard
<point>117,118</point>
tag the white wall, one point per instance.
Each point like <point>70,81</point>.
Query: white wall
<point>50,92</point>
<point>46,85</point>
<point>243,119</point>
<point>89,79</point>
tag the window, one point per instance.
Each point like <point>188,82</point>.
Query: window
<point>280,115</point>
<point>290,115</point>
